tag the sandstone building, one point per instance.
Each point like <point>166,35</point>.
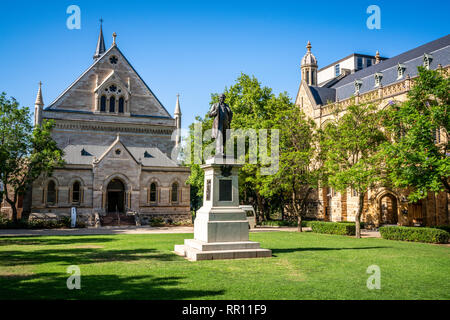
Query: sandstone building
<point>117,139</point>
<point>364,79</point>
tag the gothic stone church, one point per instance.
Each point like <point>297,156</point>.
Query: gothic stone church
<point>117,142</point>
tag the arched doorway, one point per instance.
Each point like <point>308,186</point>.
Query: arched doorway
<point>388,209</point>
<point>115,196</point>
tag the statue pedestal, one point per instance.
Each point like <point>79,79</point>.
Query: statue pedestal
<point>221,227</point>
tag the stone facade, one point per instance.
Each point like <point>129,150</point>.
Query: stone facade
<point>381,206</point>
<point>117,140</point>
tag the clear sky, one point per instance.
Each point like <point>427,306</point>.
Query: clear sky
<point>196,48</point>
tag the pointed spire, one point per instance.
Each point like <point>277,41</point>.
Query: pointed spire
<point>308,46</point>
<point>39,100</point>
<point>100,43</point>
<point>177,107</point>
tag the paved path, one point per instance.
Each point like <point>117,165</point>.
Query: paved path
<point>140,230</point>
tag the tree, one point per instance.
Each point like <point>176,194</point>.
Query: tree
<point>417,154</point>
<point>298,173</point>
<point>25,153</point>
<point>350,145</point>
<point>254,107</point>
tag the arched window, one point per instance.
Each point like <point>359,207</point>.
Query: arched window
<point>112,104</point>
<point>76,194</point>
<point>51,192</point>
<point>103,104</point>
<point>153,192</point>
<point>174,195</point>
<point>121,104</point>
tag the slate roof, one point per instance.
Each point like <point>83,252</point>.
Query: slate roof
<point>344,88</point>
<point>322,95</point>
<point>85,154</point>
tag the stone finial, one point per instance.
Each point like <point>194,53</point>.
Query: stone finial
<point>308,46</point>
<point>39,100</point>
<point>377,57</point>
<point>114,38</point>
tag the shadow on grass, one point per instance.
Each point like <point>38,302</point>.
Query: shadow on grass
<point>81,256</point>
<point>33,240</point>
<point>53,286</point>
<point>290,250</point>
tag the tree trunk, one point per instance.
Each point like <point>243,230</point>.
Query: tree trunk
<point>358,215</point>
<point>297,213</point>
<point>299,221</point>
<point>260,207</point>
<point>12,203</point>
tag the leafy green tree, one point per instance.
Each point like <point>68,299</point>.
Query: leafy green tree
<point>417,155</point>
<point>254,107</point>
<point>350,144</point>
<point>25,153</point>
<point>298,173</point>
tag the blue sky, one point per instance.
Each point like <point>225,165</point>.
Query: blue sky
<point>196,48</point>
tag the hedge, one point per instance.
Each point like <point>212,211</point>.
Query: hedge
<point>416,234</point>
<point>362,224</point>
<point>64,222</point>
<point>341,228</point>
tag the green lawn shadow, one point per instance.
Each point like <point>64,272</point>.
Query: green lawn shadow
<point>51,285</point>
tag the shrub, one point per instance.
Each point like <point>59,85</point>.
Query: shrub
<point>156,222</point>
<point>361,224</point>
<point>416,234</point>
<point>341,228</point>
<point>64,222</point>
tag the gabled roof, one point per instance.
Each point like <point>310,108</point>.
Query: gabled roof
<point>114,47</point>
<point>73,155</point>
<point>112,146</point>
<point>111,75</point>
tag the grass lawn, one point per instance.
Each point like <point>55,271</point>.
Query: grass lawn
<point>303,266</point>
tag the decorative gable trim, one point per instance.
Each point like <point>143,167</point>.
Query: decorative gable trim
<point>113,145</point>
<point>159,104</point>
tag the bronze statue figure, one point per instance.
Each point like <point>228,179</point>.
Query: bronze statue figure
<point>222,118</point>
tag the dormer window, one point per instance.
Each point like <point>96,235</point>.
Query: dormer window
<point>427,58</point>
<point>337,70</point>
<point>358,85</point>
<point>85,153</point>
<point>400,71</point>
<point>378,77</point>
<point>147,155</point>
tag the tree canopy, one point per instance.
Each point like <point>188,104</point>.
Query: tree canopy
<point>25,152</point>
<point>417,155</point>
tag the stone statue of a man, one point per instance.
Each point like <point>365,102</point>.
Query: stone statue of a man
<point>222,118</point>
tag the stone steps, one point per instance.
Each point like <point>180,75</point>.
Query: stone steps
<point>214,246</point>
<point>195,250</point>
<point>112,220</point>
